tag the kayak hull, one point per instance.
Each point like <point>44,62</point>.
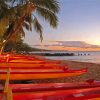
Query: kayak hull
<point>27,65</point>
<point>41,75</point>
<point>54,91</point>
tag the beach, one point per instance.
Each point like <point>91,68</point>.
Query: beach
<point>93,72</point>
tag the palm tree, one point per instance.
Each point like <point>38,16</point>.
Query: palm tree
<point>16,14</point>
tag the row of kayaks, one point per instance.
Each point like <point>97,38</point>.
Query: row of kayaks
<point>55,91</point>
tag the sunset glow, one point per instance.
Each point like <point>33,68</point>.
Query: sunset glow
<point>79,20</point>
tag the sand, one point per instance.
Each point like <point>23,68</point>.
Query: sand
<point>93,72</point>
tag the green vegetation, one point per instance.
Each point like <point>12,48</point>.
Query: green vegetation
<point>18,47</point>
<point>16,14</point>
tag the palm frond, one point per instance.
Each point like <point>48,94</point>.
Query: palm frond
<point>38,27</point>
<point>52,5</point>
<point>26,25</point>
<point>29,20</point>
<point>48,15</point>
<point>14,10</point>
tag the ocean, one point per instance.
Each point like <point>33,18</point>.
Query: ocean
<point>81,56</point>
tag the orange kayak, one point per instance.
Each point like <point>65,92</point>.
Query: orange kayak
<point>18,75</point>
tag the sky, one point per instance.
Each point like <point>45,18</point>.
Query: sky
<point>79,20</point>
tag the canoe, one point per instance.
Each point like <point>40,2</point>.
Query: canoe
<point>29,65</point>
<point>27,60</point>
<point>75,94</point>
<point>54,91</point>
<point>32,61</point>
<point>19,59</point>
<point>19,56</point>
<point>41,75</point>
<point>34,69</point>
<point>18,88</point>
<point>23,58</point>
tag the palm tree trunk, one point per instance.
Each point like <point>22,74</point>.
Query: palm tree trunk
<point>2,46</point>
<point>29,9</point>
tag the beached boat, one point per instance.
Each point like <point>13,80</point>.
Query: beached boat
<point>17,56</point>
<point>29,65</point>
<point>35,69</point>
<point>74,94</point>
<point>51,86</point>
<point>24,75</point>
<point>26,59</point>
<point>28,69</point>
<point>19,59</point>
<point>33,61</point>
<point>55,91</point>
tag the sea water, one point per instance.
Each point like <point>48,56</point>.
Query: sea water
<point>81,56</point>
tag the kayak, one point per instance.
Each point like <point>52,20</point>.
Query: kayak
<point>18,75</point>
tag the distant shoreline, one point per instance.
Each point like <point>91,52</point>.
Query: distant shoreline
<point>55,54</point>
